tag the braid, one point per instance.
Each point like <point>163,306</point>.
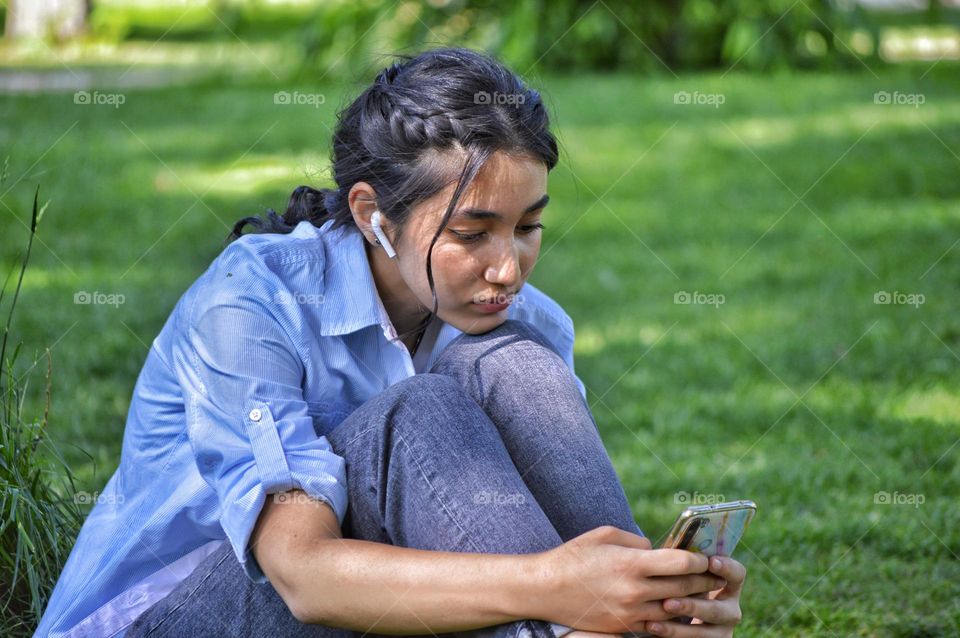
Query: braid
<point>421,129</point>
<point>412,126</point>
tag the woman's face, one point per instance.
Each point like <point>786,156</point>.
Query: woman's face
<point>488,248</point>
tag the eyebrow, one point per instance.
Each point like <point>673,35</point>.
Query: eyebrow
<point>479,213</point>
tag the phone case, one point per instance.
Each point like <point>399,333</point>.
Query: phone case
<point>712,530</point>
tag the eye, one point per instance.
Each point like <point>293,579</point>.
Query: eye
<point>468,238</point>
<point>532,227</point>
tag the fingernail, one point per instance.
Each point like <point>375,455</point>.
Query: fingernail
<point>716,562</point>
<point>672,605</point>
<point>656,628</point>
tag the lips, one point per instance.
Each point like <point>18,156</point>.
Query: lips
<point>506,301</point>
<point>494,303</point>
<point>489,307</point>
<point>503,298</point>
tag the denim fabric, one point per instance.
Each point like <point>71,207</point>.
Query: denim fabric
<point>492,451</point>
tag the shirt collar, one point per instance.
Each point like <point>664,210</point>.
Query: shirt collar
<point>350,298</point>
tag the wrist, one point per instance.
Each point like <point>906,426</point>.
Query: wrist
<point>537,589</point>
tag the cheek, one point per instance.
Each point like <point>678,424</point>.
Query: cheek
<point>529,252</point>
<point>455,275</point>
<point>413,270</point>
<point>456,270</point>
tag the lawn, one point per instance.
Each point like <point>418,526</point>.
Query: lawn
<point>783,215</point>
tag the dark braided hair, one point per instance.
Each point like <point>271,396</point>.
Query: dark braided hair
<point>392,136</point>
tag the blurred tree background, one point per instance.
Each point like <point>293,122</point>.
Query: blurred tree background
<point>595,34</point>
<point>795,161</point>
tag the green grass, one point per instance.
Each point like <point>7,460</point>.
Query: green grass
<point>798,392</point>
<point>39,512</point>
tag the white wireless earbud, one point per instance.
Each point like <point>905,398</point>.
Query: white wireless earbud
<point>378,231</point>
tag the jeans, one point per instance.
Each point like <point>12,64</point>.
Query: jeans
<point>494,450</point>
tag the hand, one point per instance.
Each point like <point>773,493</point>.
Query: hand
<point>713,617</point>
<point>609,580</point>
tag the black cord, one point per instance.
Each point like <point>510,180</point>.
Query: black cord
<point>416,344</point>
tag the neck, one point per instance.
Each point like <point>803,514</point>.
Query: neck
<point>402,306</point>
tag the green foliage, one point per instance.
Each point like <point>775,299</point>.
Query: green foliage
<point>570,35</point>
<point>39,518</point>
<point>659,36</point>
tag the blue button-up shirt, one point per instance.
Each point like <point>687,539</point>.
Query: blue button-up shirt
<point>278,341</point>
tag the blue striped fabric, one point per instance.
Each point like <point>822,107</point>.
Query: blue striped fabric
<point>282,337</point>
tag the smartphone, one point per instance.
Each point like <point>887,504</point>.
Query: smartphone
<point>712,530</point>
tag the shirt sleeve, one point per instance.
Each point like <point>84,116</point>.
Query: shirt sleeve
<point>247,420</point>
<point>568,358</point>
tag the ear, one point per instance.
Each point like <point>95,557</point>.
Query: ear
<point>362,200</point>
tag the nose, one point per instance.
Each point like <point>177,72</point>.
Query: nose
<point>505,270</point>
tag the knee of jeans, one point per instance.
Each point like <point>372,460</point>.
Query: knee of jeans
<point>428,392</point>
<point>425,384</point>
<point>518,328</point>
<point>424,393</point>
<point>495,347</point>
<point>438,402</point>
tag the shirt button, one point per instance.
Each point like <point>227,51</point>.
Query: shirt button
<point>255,414</point>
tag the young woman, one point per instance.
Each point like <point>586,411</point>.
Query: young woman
<point>363,419</point>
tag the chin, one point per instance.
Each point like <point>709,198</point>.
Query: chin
<point>476,325</point>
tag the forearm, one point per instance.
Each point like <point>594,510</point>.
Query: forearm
<point>368,586</point>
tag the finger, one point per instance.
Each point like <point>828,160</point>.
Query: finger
<point>732,571</point>
<point>714,612</point>
<point>671,562</point>
<point>652,610</point>
<point>624,538</point>
<point>679,630</point>
<point>683,586</point>
<point>728,568</point>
